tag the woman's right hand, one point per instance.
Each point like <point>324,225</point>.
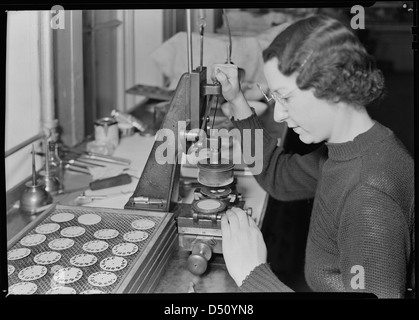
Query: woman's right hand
<point>227,75</point>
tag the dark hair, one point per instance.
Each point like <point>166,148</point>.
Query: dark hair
<point>329,58</point>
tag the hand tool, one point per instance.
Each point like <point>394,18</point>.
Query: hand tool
<point>99,184</point>
<point>82,163</point>
<point>104,158</point>
<point>83,199</point>
<point>85,155</point>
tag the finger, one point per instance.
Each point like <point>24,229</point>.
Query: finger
<point>213,77</point>
<point>225,227</point>
<point>252,223</point>
<point>241,216</point>
<point>221,77</point>
<point>233,220</point>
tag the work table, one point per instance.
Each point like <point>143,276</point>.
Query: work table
<point>177,278</point>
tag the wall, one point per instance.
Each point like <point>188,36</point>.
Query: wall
<point>148,26</point>
<point>118,58</point>
<point>23,97</point>
<point>142,34</point>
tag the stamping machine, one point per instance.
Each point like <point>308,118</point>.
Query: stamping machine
<point>198,223</point>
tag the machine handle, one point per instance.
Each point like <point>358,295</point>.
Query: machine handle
<point>198,260</point>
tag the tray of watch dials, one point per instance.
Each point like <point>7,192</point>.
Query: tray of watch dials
<point>88,250</point>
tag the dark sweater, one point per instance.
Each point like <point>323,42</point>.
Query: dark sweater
<point>363,211</point>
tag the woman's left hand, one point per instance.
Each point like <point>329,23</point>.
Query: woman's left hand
<point>243,245</point>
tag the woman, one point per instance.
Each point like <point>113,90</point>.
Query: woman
<point>361,235</point>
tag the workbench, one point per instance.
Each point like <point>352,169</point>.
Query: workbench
<point>177,278</point>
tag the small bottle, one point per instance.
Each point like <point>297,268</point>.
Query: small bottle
<point>55,164</point>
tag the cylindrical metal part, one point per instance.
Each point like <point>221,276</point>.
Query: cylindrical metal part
<point>216,193</point>
<point>215,150</point>
<point>189,40</point>
<point>198,260</point>
<point>205,216</point>
<point>248,211</point>
<point>212,89</point>
<point>215,175</point>
<point>191,136</point>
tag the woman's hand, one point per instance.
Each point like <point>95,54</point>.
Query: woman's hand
<point>243,245</point>
<point>227,76</point>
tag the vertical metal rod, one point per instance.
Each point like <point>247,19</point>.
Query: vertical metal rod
<point>93,60</point>
<point>46,159</point>
<point>33,167</point>
<point>189,40</point>
<point>47,72</point>
<point>201,61</point>
<point>202,24</point>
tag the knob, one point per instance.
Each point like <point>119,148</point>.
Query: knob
<point>248,211</point>
<point>198,260</point>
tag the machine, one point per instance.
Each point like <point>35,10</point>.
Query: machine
<point>199,222</point>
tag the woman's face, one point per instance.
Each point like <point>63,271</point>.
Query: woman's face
<point>311,118</point>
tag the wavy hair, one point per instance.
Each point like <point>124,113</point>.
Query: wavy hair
<point>328,57</point>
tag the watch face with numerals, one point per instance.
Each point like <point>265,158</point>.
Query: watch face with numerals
<point>32,273</point>
<point>83,260</point>
<point>135,236</point>
<point>124,249</point>
<point>95,246</point>
<point>73,231</point>
<point>61,290</point>
<point>67,275</point>
<point>106,234</point>
<point>61,243</point>
<point>47,257</point>
<point>17,254</point>
<point>23,288</point>
<point>47,228</point>
<point>113,263</point>
<point>102,278</point>
<point>33,240</point>
<point>142,224</point>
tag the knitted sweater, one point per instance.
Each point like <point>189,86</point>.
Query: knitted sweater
<point>361,234</point>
